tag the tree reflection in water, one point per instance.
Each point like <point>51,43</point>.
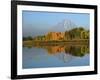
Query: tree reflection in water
<point>75,50</point>
<point>66,50</point>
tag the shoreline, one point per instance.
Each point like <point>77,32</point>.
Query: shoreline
<point>69,42</point>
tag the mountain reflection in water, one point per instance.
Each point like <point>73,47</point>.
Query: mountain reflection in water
<point>56,55</point>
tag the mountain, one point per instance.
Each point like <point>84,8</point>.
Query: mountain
<point>64,25</point>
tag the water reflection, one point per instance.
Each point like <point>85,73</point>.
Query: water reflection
<point>55,55</point>
<point>75,50</point>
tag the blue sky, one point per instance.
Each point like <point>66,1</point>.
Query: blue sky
<point>39,23</point>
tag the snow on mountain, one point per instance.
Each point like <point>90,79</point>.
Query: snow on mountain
<point>65,25</point>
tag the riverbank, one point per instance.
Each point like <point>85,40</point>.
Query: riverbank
<point>68,42</point>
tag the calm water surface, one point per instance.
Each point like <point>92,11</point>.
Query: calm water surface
<point>40,56</point>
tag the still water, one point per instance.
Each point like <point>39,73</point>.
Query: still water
<point>43,56</point>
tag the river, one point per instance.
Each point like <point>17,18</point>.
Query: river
<point>44,56</point>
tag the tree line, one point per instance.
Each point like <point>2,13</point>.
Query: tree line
<point>75,33</point>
